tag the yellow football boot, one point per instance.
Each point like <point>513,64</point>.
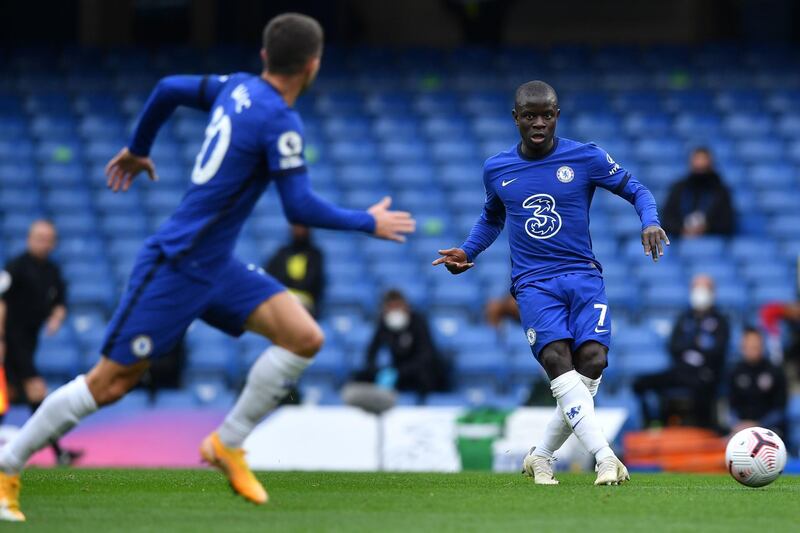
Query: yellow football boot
<point>9,498</point>
<point>230,461</point>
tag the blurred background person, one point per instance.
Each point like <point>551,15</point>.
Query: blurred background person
<point>499,309</point>
<point>757,388</point>
<point>415,360</point>
<point>699,204</point>
<point>698,345</point>
<point>35,296</point>
<point>300,266</point>
<point>772,315</point>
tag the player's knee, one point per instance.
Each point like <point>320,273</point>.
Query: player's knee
<point>591,360</point>
<point>308,343</point>
<point>556,359</point>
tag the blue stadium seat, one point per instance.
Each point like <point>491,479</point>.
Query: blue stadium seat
<point>17,174</point>
<point>702,248</point>
<point>748,124</point>
<point>773,176</point>
<point>58,356</point>
<point>445,151</point>
<point>746,248</point>
<point>702,124</point>
<point>732,295</point>
<point>647,123</point>
<point>759,151</point>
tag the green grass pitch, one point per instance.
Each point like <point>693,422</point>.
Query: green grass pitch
<point>200,500</point>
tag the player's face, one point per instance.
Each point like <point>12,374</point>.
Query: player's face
<point>536,120</point>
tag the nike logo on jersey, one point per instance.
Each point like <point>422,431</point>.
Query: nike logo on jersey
<point>598,330</point>
<point>509,181</point>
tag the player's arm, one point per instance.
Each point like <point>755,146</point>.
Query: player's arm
<point>283,143</point>
<point>485,231</point>
<point>303,206</point>
<point>605,173</point>
<point>198,92</point>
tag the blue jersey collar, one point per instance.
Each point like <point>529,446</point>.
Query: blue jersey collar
<point>543,156</point>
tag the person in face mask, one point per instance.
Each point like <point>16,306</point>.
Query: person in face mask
<point>300,266</point>
<point>699,204</point>
<point>414,357</point>
<point>698,345</point>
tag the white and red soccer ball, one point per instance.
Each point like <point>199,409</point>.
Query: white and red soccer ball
<point>755,456</point>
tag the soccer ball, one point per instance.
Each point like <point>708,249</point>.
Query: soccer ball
<point>755,456</point>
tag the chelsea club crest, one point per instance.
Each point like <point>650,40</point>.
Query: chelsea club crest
<point>531,333</point>
<point>565,174</point>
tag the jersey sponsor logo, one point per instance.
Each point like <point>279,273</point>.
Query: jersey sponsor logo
<point>614,166</point>
<point>565,174</point>
<point>509,182</point>
<point>241,96</point>
<point>531,334</point>
<point>206,166</point>
<point>546,221</point>
<point>5,281</point>
<point>290,146</point>
<point>141,346</point>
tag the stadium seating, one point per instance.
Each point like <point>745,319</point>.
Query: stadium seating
<point>375,125</point>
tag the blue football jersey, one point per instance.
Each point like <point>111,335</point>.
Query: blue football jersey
<point>545,203</point>
<point>252,136</point>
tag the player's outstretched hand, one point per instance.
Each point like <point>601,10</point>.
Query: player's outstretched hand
<point>124,167</point>
<point>391,225</point>
<point>652,238</point>
<point>455,260</point>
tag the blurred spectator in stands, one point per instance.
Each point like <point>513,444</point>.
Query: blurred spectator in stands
<point>300,266</point>
<point>415,361</point>
<point>499,309</point>
<point>699,204</point>
<point>697,345</point>
<point>771,316</point>
<point>757,388</point>
<point>33,295</point>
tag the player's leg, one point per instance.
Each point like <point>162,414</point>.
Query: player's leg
<point>544,319</point>
<point>35,391</point>
<point>156,309</point>
<point>249,299</point>
<point>590,320</point>
<point>296,338</point>
<point>106,383</point>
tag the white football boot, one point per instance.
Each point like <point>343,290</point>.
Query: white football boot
<point>611,471</point>
<point>539,468</point>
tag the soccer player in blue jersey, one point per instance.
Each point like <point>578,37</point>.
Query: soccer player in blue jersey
<point>542,188</point>
<point>186,270</point>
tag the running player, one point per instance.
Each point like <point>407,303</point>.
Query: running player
<point>186,269</point>
<point>543,187</point>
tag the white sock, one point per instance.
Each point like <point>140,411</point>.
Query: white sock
<point>577,406</point>
<point>558,430</point>
<point>268,382</point>
<point>59,412</point>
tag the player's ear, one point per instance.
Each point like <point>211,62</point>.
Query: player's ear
<point>516,117</point>
<point>558,112</point>
<point>263,55</point>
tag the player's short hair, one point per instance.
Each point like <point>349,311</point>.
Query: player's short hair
<point>535,89</point>
<point>751,330</point>
<point>394,295</point>
<point>702,150</point>
<point>290,40</point>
